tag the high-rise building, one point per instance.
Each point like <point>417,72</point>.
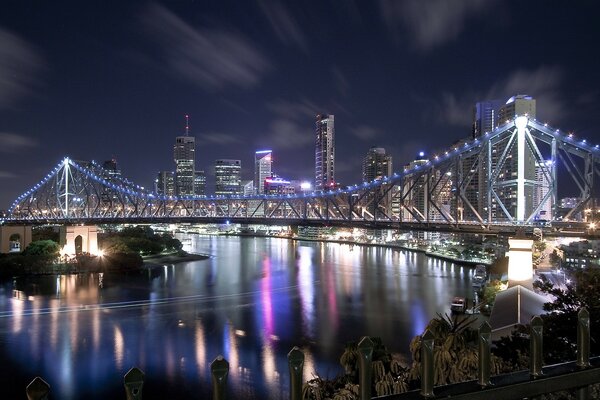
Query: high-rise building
<point>376,164</point>
<point>200,183</point>
<point>278,186</point>
<point>485,116</point>
<point>543,180</point>
<point>184,154</point>
<point>263,164</point>
<point>111,170</point>
<point>165,183</point>
<point>520,104</point>
<point>248,188</point>
<point>227,177</point>
<point>324,152</point>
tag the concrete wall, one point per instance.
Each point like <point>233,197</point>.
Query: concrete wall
<point>89,238</point>
<point>6,232</point>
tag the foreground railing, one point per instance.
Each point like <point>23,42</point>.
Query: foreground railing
<point>578,375</point>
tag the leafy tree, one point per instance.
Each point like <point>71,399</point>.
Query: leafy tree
<point>46,248</point>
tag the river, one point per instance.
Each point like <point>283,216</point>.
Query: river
<point>251,301</point>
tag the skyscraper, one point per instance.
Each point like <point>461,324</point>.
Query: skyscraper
<point>184,153</point>
<point>376,164</point>
<point>227,177</point>
<point>263,164</point>
<point>540,195</point>
<point>199,183</point>
<point>485,116</point>
<point>324,152</point>
<point>520,104</point>
<point>165,183</point>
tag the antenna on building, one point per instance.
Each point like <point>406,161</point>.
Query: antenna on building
<point>187,125</point>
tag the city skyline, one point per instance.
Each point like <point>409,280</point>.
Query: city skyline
<point>115,83</point>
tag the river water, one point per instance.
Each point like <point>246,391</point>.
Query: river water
<point>251,301</point>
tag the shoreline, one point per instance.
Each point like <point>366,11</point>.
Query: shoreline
<point>160,260</point>
<point>469,263</point>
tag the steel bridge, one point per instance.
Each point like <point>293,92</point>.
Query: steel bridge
<point>502,180</point>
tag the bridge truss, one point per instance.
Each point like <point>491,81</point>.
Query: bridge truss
<point>501,179</point>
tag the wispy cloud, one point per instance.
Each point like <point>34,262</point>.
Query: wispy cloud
<point>365,132</point>
<point>340,81</point>
<point>7,175</point>
<point>294,110</point>
<point>544,84</point>
<point>13,143</point>
<point>19,64</point>
<point>283,23</point>
<point>218,138</point>
<point>433,22</point>
<point>289,134</point>
<point>211,58</point>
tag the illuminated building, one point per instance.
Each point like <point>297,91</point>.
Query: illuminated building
<point>199,183</point>
<point>324,152</point>
<point>184,154</point>
<point>165,183</point>
<point>541,198</point>
<point>263,164</point>
<point>376,164</point>
<point>485,117</point>
<point>278,185</point>
<point>227,177</point>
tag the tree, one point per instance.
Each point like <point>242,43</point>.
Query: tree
<point>560,322</point>
<point>46,248</point>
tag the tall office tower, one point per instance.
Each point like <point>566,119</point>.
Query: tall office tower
<point>227,177</point>
<point>485,116</point>
<point>324,152</point>
<point>111,170</point>
<point>415,192</point>
<point>248,188</point>
<point>542,189</point>
<point>520,104</point>
<point>165,183</point>
<point>184,153</point>
<point>263,165</point>
<point>200,183</point>
<point>376,164</point>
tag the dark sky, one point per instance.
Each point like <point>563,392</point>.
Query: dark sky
<point>114,79</point>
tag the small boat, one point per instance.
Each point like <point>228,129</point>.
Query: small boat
<point>458,305</point>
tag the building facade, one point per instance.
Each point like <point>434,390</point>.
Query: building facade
<point>324,152</point>
<point>199,183</point>
<point>184,154</point>
<point>165,183</point>
<point>263,165</point>
<point>227,177</point>
<point>485,117</point>
<point>376,164</point>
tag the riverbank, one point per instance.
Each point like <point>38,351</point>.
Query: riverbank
<point>433,254</point>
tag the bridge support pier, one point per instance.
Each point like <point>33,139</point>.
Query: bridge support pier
<point>79,239</point>
<point>14,239</point>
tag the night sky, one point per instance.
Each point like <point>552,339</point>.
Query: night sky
<point>114,79</point>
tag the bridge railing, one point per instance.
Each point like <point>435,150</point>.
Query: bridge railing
<point>578,375</point>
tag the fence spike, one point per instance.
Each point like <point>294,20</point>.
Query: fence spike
<point>134,383</point>
<point>38,389</point>
<point>536,347</point>
<point>485,339</point>
<point>295,363</point>
<point>427,373</point>
<point>365,351</point>
<point>219,369</point>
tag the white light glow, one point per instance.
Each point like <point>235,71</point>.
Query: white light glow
<point>520,265</point>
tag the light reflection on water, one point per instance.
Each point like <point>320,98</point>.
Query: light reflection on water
<point>252,301</point>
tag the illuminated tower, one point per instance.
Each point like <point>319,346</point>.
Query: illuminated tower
<point>263,163</point>
<point>324,152</point>
<point>227,177</point>
<point>376,164</point>
<point>185,161</point>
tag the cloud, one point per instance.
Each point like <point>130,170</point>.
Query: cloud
<point>13,143</point>
<point>340,81</point>
<point>431,23</point>
<point>7,175</point>
<point>283,23</point>
<point>19,64</point>
<point>543,84</point>
<point>289,134</point>
<point>221,139</point>
<point>365,132</point>
<point>294,110</point>
<point>210,58</point>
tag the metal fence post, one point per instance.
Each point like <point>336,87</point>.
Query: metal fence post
<point>38,389</point>
<point>219,370</point>
<point>583,338</point>
<point>365,351</point>
<point>485,336</point>
<point>536,347</point>
<point>583,349</point>
<point>296,363</point>
<point>134,382</point>
<point>427,372</point>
